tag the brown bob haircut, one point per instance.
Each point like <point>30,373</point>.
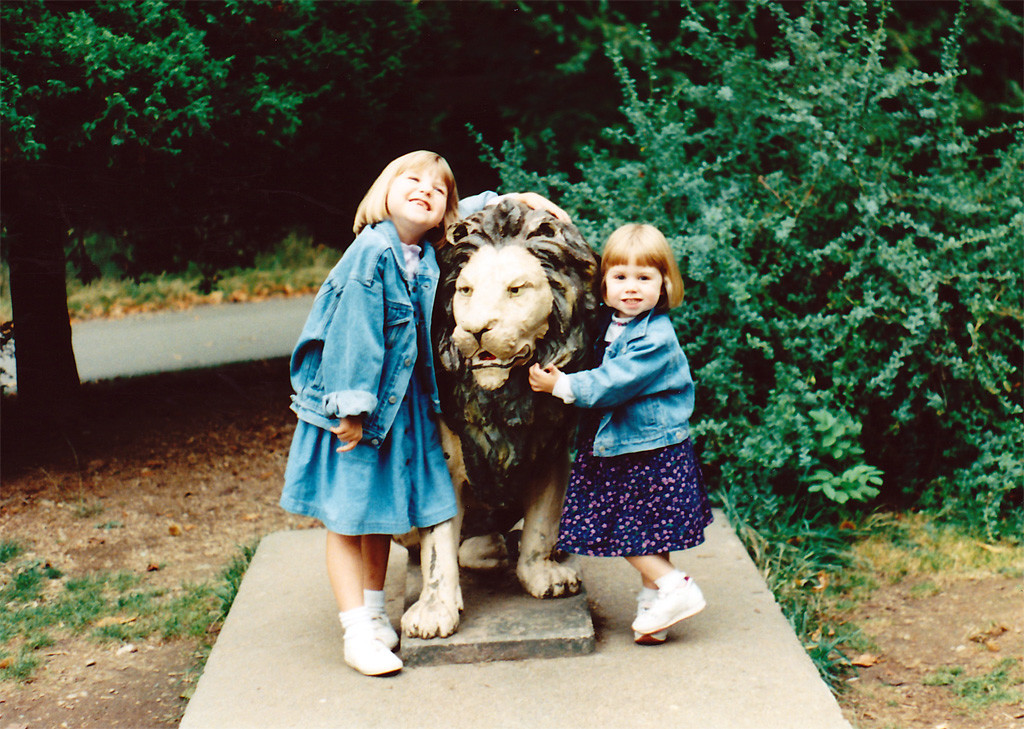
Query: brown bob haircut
<point>644,245</point>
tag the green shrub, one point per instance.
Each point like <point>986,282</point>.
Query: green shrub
<point>848,247</point>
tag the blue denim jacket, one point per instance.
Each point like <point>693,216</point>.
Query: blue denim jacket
<point>358,347</point>
<point>644,387</point>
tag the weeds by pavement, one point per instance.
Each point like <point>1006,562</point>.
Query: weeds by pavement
<point>40,605</point>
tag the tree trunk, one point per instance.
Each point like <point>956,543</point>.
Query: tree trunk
<point>47,374</point>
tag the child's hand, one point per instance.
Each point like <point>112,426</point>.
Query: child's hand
<point>349,432</point>
<point>539,202</point>
<point>543,379</point>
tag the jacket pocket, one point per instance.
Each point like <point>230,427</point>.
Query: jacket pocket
<point>396,315</point>
<point>646,414</point>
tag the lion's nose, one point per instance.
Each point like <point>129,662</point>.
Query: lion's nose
<point>478,325</point>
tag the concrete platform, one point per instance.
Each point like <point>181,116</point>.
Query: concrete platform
<point>502,623</point>
<point>278,661</point>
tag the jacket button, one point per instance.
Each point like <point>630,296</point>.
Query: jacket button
<point>375,441</point>
<point>392,399</point>
<point>408,361</point>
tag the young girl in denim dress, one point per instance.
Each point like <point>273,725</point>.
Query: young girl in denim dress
<point>366,456</point>
<point>636,489</point>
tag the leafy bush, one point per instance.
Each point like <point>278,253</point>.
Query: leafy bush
<point>849,247</point>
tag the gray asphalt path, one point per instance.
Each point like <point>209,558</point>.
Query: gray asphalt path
<point>203,336</point>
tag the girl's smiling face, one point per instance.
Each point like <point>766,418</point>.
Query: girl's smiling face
<point>416,202</point>
<point>631,289</point>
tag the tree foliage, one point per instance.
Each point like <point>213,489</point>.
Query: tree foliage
<point>851,246</point>
<point>841,180</point>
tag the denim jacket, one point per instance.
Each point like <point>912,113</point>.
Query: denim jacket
<point>359,345</point>
<point>644,387</point>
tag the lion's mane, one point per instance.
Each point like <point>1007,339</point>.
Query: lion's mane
<point>508,432</point>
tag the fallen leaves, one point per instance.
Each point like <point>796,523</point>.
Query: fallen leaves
<point>866,660</point>
<point>111,620</point>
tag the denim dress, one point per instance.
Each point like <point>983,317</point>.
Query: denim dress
<point>389,489</point>
<point>365,351</point>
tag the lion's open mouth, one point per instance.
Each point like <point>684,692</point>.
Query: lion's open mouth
<point>485,359</point>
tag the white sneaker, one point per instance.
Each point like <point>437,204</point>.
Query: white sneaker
<point>370,657</point>
<point>385,632</point>
<point>669,607</point>
<point>642,606</point>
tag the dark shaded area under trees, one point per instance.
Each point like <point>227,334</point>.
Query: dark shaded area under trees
<point>199,133</point>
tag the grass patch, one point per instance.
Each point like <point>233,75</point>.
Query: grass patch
<point>83,509</point>
<point>820,565</point>
<point>294,266</point>
<point>38,608</point>
<point>976,693</point>
<point>916,546</point>
<point>9,550</point>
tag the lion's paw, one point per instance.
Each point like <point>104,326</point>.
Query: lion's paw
<point>430,617</point>
<point>548,578</point>
<point>486,552</point>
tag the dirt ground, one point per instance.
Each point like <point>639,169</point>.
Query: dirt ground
<point>190,466</point>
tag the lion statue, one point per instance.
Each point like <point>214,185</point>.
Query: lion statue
<point>517,286</point>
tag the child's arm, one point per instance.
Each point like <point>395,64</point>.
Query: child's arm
<point>476,203</point>
<point>649,365</point>
<point>353,338</point>
<point>349,432</point>
<point>539,202</point>
<point>551,379</point>
<point>543,379</point>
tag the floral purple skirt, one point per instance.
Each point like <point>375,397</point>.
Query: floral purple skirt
<point>634,504</point>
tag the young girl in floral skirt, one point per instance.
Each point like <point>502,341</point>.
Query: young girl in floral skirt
<point>636,489</point>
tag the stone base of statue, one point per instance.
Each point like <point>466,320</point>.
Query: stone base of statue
<point>502,623</point>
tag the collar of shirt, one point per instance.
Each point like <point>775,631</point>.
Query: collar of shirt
<point>616,327</point>
<point>412,258</point>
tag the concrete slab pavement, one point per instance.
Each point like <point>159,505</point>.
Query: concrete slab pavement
<point>738,665</point>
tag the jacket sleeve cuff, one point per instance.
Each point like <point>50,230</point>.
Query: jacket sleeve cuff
<point>563,390</point>
<point>348,403</point>
<point>475,203</point>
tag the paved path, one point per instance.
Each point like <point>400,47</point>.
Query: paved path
<point>278,660</point>
<point>203,336</point>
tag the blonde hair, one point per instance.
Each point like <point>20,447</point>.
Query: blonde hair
<point>644,245</point>
<point>374,206</point>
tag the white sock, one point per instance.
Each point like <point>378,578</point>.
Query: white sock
<point>374,601</point>
<point>356,621</point>
<point>670,581</point>
<point>647,594</point>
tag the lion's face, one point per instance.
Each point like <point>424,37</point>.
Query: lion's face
<point>501,307</point>
<point>517,286</point>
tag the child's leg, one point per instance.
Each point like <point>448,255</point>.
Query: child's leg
<point>350,561</point>
<point>376,548</point>
<point>651,567</point>
<point>345,569</point>
<point>355,563</point>
<point>678,596</point>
